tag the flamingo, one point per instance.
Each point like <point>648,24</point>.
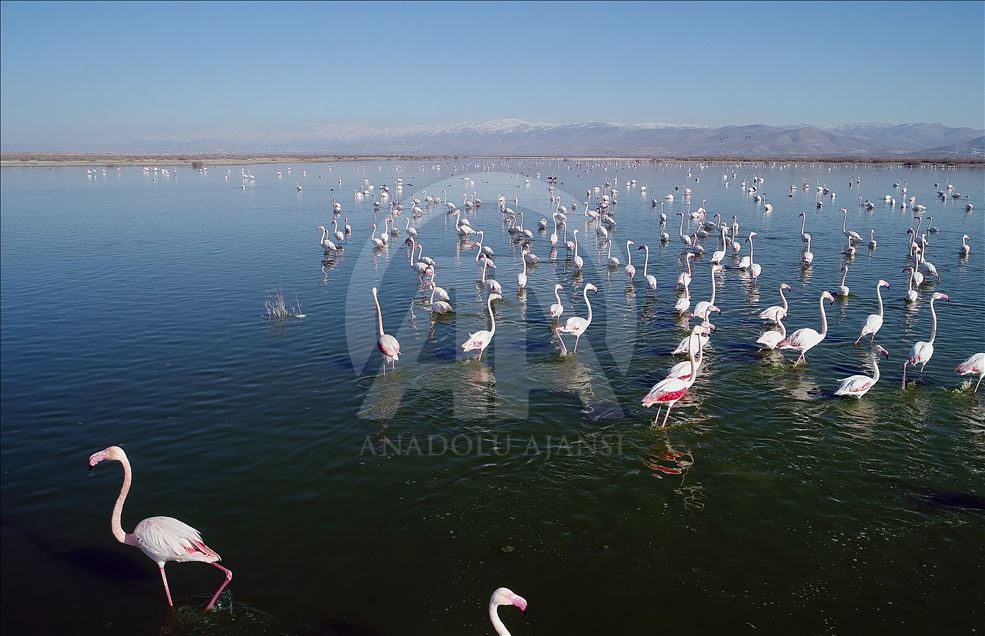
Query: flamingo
<point>613,260</point>
<point>651,280</point>
<point>808,257</point>
<point>872,240</point>
<point>684,302</point>
<point>521,278</point>
<point>974,364</point>
<point>339,236</point>
<point>377,243</point>
<point>775,312</point>
<point>326,243</point>
<point>438,306</point>
<point>921,352</point>
<point>771,338</point>
<point>557,308</point>
<point>491,284</point>
<point>439,292</point>
<point>858,385</point>
<point>965,248</point>
<point>630,270</point>
<point>804,236</point>
<point>874,322</point>
<point>843,288</point>
<point>578,261</point>
<point>411,231</point>
<point>162,539</point>
<point>479,340</point>
<point>705,307</point>
<point>685,277</point>
<point>682,370</point>
<point>684,346</point>
<point>577,325</point>
<point>851,235</point>
<point>670,390</point>
<point>805,339</point>
<point>754,268</point>
<point>386,344</point>
<point>718,255</point>
<point>504,596</point>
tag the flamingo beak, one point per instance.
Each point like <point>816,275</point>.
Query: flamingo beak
<point>519,602</point>
<point>946,297</point>
<point>95,458</point>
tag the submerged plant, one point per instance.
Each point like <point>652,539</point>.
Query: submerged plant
<point>274,308</point>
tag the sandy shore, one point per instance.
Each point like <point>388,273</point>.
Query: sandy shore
<point>12,159</point>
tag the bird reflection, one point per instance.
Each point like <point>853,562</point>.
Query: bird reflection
<point>664,460</point>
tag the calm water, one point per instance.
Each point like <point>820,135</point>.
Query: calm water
<point>131,316</point>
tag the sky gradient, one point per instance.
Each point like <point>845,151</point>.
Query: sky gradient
<point>76,73</point>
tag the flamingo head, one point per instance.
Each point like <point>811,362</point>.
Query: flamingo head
<point>320,227</point>
<point>590,287</point>
<point>113,453</point>
<point>557,287</point>
<point>827,296</point>
<point>940,296</point>
<point>641,248</point>
<point>883,283</point>
<point>965,238</point>
<point>505,596</point>
<point>495,297</point>
<point>843,210</point>
<point>786,287</point>
<point>880,350</point>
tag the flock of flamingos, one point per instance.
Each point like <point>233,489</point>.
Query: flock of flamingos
<point>165,539</point>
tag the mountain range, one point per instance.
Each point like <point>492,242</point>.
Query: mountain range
<point>514,137</point>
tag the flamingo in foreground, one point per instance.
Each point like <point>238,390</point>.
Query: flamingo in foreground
<point>479,340</point>
<point>577,325</point>
<point>670,390</point>
<point>504,596</point>
<point>805,339</point>
<point>874,322</point>
<point>921,352</point>
<point>162,539</point>
<point>974,364</point>
<point>858,385</point>
<point>387,344</point>
<point>775,312</point>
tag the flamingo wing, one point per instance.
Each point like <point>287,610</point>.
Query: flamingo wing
<point>857,385</point>
<point>478,340</point>
<point>167,539</point>
<point>667,390</point>
<point>389,346</point>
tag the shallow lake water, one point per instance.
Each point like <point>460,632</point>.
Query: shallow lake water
<point>346,502</point>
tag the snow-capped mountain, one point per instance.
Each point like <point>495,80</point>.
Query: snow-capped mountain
<point>515,137</point>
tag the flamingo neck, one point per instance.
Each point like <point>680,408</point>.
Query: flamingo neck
<point>879,296</point>
<point>496,622</point>
<point>784,299</point>
<point>433,289</point>
<point>646,260</point>
<point>590,309</point>
<point>844,275</point>
<point>694,364</point>
<point>783,330</point>
<point>875,366</point>
<point>751,248</point>
<point>629,255</point>
<point>824,318</point>
<point>324,233</point>
<point>492,318</point>
<point>485,264</point>
<point>524,259</point>
<point>803,223</point>
<point>379,314</point>
<point>933,322</point>
<point>557,296</point>
<point>714,287</point>
<point>117,516</point>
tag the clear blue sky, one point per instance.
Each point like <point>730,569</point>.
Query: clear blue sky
<point>85,72</point>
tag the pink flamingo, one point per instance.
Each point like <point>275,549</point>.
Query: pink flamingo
<point>974,364</point>
<point>479,340</point>
<point>923,351</point>
<point>387,344</point>
<point>771,338</point>
<point>504,596</point>
<point>651,280</point>
<point>858,385</point>
<point>670,390</point>
<point>162,539</point>
<point>874,322</point>
<point>576,324</point>
<point>775,312</point>
<point>805,339</point>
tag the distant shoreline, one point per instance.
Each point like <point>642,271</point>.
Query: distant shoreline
<point>48,160</point>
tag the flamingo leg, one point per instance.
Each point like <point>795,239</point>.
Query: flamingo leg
<point>905,362</point>
<point>167,592</point>
<point>229,577</point>
<point>577,338</point>
<point>480,355</point>
<point>800,359</point>
<point>873,338</point>
<point>657,416</point>
<point>857,339</point>
<point>976,385</point>
<point>666,415</point>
